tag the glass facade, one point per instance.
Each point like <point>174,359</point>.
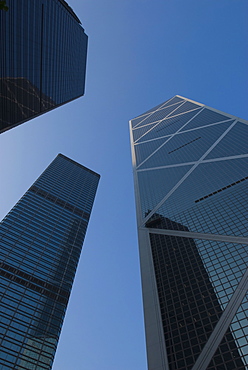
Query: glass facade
<point>41,240</point>
<point>190,171</point>
<point>43,51</point>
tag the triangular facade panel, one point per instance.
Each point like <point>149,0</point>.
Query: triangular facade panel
<point>163,180</point>
<point>190,306</point>
<point>186,146</point>
<point>226,278</point>
<point>144,150</point>
<point>163,113</point>
<point>183,208</point>
<point>155,108</point>
<point>169,126</point>
<point>191,185</point>
<point>174,100</point>
<point>239,328</point>
<point>234,143</point>
<point>204,118</point>
<point>156,116</point>
<point>167,103</point>
<point>187,106</point>
<point>201,202</point>
<point>141,131</point>
<point>138,120</point>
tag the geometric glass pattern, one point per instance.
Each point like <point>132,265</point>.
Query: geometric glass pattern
<point>41,240</point>
<point>187,146</point>
<point>190,166</point>
<point>43,53</point>
<point>239,329</point>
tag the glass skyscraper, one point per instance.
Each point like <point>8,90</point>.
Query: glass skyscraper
<point>41,239</point>
<point>43,51</point>
<point>190,166</point>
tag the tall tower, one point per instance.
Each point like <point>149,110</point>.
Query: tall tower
<point>190,175</point>
<point>43,51</point>
<point>41,239</point>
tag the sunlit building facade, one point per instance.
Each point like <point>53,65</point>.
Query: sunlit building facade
<point>190,174</point>
<point>41,240</point>
<point>43,50</point>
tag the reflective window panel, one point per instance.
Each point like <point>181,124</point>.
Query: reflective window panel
<point>41,239</point>
<point>190,165</point>
<point>43,52</point>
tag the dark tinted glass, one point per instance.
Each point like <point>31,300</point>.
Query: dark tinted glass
<point>43,59</point>
<point>191,175</point>
<point>41,240</point>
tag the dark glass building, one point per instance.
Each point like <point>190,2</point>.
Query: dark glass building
<point>41,239</point>
<point>43,51</point>
<point>190,174</point>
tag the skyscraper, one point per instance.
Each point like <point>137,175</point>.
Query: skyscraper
<point>43,51</point>
<point>190,175</point>
<point>41,240</point>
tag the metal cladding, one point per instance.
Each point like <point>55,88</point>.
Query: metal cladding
<point>190,173</point>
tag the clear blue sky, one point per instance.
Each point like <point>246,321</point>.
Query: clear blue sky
<point>141,53</point>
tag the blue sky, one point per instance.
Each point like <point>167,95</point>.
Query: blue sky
<point>141,53</point>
